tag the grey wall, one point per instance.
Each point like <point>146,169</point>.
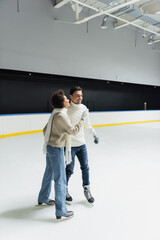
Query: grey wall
<point>30,40</point>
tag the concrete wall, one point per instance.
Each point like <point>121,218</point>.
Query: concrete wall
<point>31,40</point>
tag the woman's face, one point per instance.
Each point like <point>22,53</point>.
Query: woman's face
<point>66,102</point>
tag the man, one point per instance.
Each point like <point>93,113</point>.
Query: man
<point>78,146</point>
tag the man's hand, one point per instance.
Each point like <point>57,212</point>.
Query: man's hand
<point>96,140</point>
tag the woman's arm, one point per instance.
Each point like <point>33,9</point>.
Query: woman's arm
<point>63,123</point>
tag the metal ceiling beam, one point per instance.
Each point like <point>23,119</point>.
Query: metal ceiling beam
<point>146,18</point>
<point>102,12</point>
<point>106,12</point>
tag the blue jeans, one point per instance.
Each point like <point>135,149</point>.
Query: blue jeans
<point>81,153</point>
<point>55,170</point>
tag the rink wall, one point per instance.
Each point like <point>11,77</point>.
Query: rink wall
<point>18,124</point>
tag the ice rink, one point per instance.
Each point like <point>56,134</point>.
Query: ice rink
<point>125,181</point>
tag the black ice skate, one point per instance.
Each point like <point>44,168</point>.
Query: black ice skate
<point>68,197</point>
<point>87,194</point>
<point>51,202</point>
<point>67,214</point>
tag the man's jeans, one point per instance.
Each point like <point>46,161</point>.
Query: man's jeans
<point>81,153</point>
<point>55,170</point>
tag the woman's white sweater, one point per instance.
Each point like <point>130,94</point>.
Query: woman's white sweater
<point>75,112</point>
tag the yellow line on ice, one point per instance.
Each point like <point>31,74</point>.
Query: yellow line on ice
<point>125,123</point>
<point>19,133</point>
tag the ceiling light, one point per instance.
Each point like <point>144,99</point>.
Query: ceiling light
<point>153,39</point>
<point>104,22</point>
<point>150,40</point>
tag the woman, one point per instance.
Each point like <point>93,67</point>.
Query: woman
<point>56,138</point>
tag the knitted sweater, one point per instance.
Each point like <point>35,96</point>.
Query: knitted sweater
<point>61,127</point>
<point>75,112</point>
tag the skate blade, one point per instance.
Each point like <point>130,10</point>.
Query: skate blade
<point>68,202</point>
<point>44,205</point>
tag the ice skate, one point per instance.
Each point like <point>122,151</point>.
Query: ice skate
<point>87,194</point>
<point>67,214</point>
<point>51,202</point>
<point>68,197</point>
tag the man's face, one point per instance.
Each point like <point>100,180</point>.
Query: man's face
<point>77,97</point>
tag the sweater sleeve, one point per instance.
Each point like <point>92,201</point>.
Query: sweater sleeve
<point>87,124</point>
<point>63,124</point>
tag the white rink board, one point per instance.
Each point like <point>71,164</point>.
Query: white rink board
<point>31,122</point>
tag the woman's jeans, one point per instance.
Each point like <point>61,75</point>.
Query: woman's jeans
<point>81,153</point>
<point>55,170</point>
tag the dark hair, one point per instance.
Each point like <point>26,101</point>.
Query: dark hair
<point>74,89</point>
<point>57,99</point>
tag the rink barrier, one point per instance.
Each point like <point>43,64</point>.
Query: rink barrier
<point>94,126</point>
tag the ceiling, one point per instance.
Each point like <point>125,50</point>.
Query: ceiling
<point>141,14</point>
